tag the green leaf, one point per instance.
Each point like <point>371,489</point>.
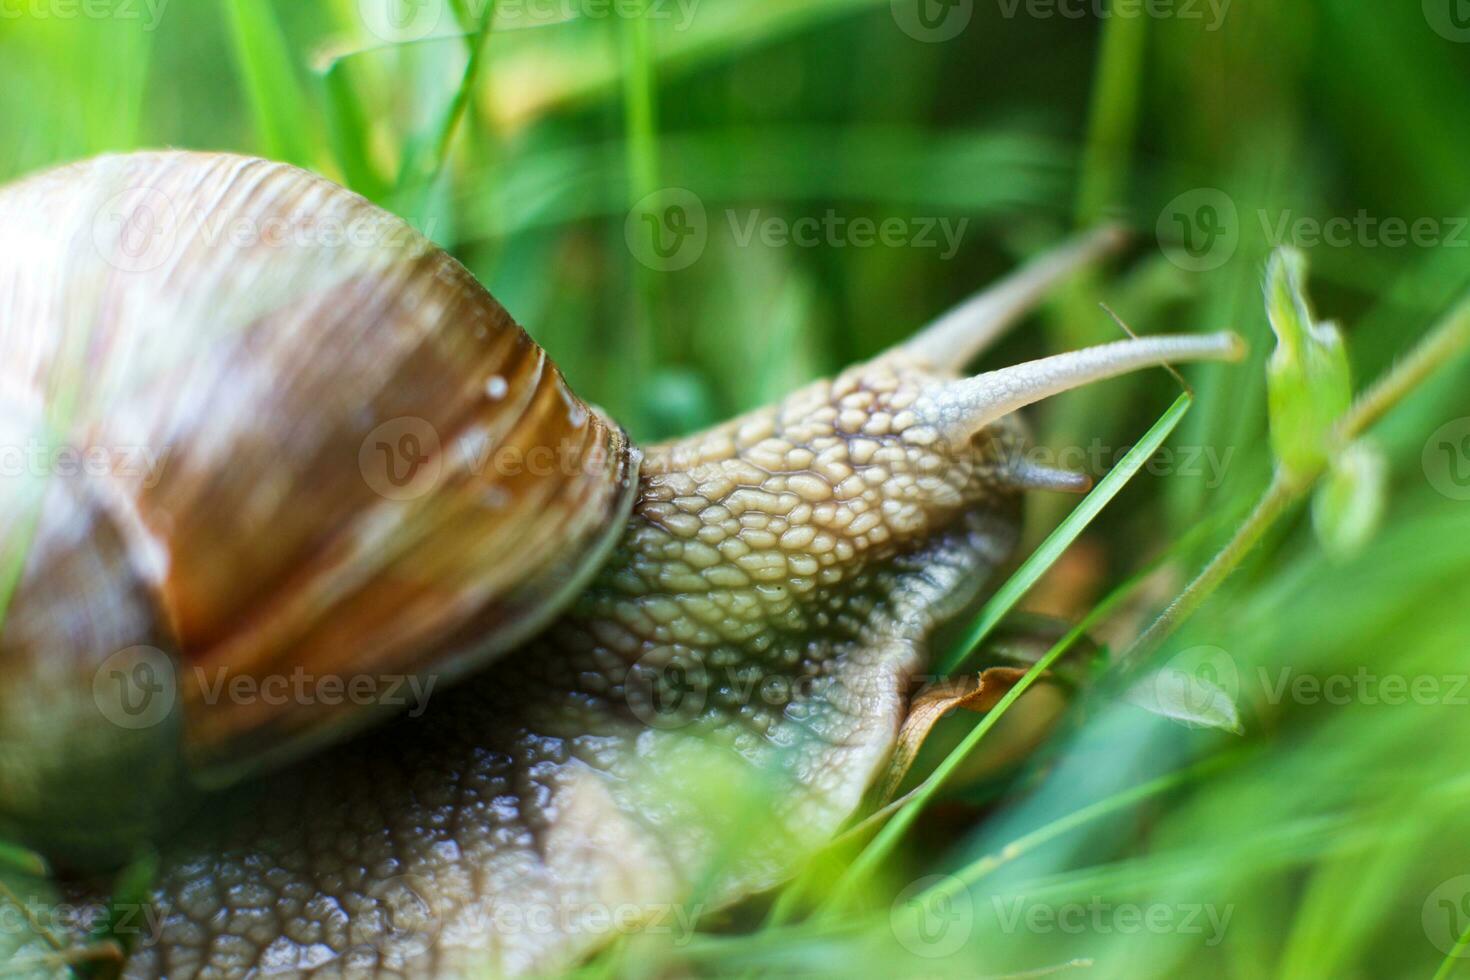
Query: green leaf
<point>1349,504</point>
<point>1187,698</point>
<point>13,857</point>
<point>28,946</point>
<point>125,921</point>
<point>1308,380</point>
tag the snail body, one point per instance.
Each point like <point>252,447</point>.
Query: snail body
<point>806,550</point>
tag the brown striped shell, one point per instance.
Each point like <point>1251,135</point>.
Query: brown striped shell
<point>251,421</point>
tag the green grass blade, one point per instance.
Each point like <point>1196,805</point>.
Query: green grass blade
<point>1454,957</point>
<point>640,121</point>
<point>639,106</point>
<point>347,131</point>
<point>1108,156</point>
<point>277,103</point>
<point>425,155</point>
<point>973,872</point>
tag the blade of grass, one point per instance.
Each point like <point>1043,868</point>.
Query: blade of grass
<point>639,106</point>
<point>640,120</point>
<point>277,104</point>
<point>23,513</point>
<point>970,874</point>
<point>20,532</point>
<point>32,918</point>
<point>424,156</point>
<point>347,130</point>
<point>1004,600</point>
<point>1108,154</point>
<point>1454,958</point>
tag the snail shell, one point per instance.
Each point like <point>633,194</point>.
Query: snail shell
<point>263,427</point>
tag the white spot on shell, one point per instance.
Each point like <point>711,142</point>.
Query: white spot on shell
<point>576,414</point>
<point>474,445</point>
<point>496,388</point>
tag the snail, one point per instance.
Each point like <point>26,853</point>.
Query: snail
<point>370,471</point>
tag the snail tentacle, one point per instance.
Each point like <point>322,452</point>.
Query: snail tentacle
<point>1028,474</point>
<point>959,409</point>
<point>961,334</point>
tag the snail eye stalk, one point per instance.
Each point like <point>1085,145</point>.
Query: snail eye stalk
<point>959,336</point>
<point>958,409</point>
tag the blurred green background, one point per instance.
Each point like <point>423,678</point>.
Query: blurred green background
<point>1332,838</point>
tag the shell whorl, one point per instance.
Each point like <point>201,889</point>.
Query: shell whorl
<point>319,441</point>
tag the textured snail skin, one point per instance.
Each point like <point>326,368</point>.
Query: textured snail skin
<point>793,563</point>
